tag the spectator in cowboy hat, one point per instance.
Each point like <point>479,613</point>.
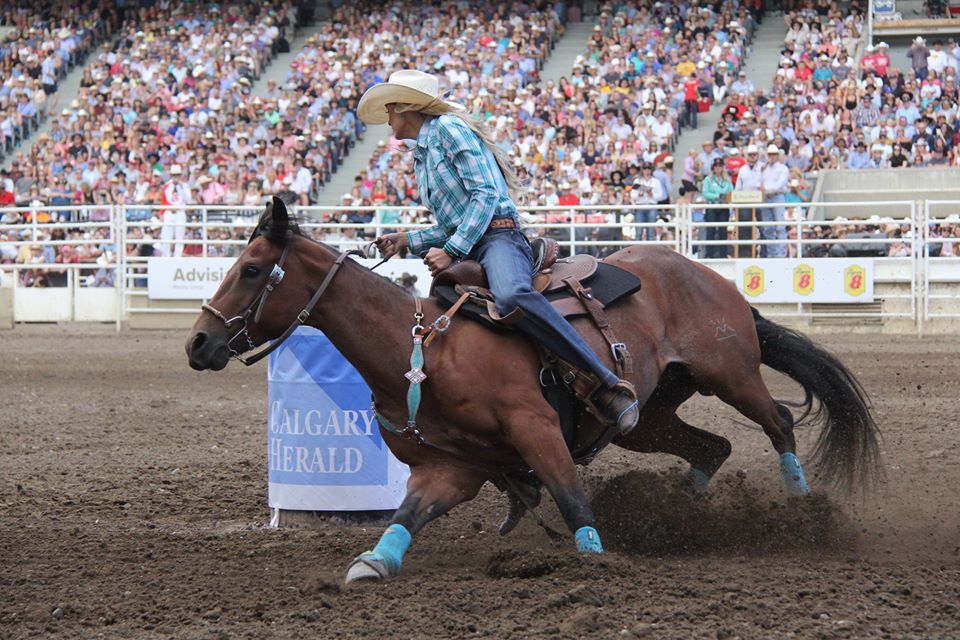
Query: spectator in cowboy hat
<point>487,229</point>
<point>917,54</point>
<point>776,179</point>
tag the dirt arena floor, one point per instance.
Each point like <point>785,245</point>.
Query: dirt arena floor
<point>132,505</point>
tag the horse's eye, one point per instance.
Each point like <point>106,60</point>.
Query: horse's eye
<point>251,271</point>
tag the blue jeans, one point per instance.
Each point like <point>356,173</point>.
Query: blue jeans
<point>717,233</point>
<point>506,257</point>
<point>642,216</point>
<point>773,232</point>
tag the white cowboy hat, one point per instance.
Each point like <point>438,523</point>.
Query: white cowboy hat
<point>175,170</point>
<point>404,87</point>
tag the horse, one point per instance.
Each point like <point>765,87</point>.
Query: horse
<point>483,416</point>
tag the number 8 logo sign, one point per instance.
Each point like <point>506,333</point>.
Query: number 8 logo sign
<point>803,279</point>
<point>753,281</point>
<point>854,280</point>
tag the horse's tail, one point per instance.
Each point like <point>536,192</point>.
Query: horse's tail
<point>846,450</point>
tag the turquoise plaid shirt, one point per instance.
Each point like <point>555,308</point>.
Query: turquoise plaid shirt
<point>460,183</point>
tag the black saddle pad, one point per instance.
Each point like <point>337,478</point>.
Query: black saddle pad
<point>609,284</point>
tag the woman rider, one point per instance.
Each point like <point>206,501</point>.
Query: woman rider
<point>467,184</point>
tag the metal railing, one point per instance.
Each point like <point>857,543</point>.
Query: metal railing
<point>940,224</point>
<point>918,279</point>
<point>802,236</point>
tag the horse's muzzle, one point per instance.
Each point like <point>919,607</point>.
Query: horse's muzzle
<point>205,351</point>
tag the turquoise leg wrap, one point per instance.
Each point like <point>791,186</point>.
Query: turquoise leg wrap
<point>393,544</point>
<point>588,540</point>
<point>794,482</point>
<point>699,480</point>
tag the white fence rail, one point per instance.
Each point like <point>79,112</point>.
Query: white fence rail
<point>89,263</point>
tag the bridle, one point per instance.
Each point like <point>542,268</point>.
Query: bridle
<point>253,352</point>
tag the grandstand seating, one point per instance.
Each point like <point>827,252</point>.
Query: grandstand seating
<point>174,86</point>
<point>45,40</point>
<point>620,106</point>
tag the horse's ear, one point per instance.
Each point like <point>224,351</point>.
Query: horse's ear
<point>277,221</point>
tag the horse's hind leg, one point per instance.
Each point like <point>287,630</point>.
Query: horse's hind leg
<point>752,398</point>
<point>431,491</point>
<point>660,430</point>
<point>706,452</point>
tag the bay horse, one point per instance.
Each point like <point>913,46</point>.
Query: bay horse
<point>482,413</point>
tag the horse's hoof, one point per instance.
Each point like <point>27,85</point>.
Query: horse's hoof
<point>365,567</point>
<point>515,511</point>
<point>794,480</point>
<point>517,504</point>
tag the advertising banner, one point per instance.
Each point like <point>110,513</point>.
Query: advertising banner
<point>806,279</point>
<point>185,278</point>
<point>324,449</point>
<point>199,278</point>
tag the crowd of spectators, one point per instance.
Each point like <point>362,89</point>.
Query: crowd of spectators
<point>768,142</point>
<point>826,112</point>
<point>174,88</point>
<point>39,44</point>
<point>604,134</point>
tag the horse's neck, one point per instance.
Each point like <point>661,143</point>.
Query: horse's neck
<point>368,319</point>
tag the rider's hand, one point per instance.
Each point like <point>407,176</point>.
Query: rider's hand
<point>391,244</point>
<point>438,260</point>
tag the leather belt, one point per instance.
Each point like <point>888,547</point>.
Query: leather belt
<point>503,223</point>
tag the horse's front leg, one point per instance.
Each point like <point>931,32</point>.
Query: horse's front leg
<point>540,443</point>
<point>431,491</point>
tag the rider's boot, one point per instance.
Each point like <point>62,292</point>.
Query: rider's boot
<point>619,405</point>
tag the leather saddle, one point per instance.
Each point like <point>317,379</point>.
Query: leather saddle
<point>549,270</point>
<point>557,278</point>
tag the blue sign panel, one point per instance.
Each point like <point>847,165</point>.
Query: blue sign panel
<point>321,432</point>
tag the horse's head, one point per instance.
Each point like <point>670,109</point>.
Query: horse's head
<point>234,321</point>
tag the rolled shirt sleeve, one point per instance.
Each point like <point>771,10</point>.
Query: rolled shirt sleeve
<point>419,240</point>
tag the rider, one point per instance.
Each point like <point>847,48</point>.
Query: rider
<point>464,179</point>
